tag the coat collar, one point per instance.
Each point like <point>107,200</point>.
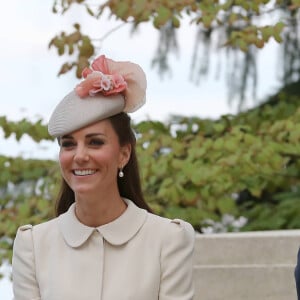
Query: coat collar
<point>117,232</point>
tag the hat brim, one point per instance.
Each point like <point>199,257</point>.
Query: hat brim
<point>73,112</point>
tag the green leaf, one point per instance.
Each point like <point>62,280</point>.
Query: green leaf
<point>89,11</point>
<point>175,22</point>
<point>163,15</point>
<point>226,205</point>
<point>122,9</point>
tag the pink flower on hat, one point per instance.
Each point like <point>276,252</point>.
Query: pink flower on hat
<point>105,83</point>
<point>98,79</point>
<point>109,77</point>
<point>118,80</point>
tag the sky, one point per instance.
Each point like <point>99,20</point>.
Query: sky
<point>30,87</point>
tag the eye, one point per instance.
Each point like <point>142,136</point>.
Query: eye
<point>96,142</point>
<point>67,144</point>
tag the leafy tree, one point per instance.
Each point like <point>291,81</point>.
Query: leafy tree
<point>241,27</point>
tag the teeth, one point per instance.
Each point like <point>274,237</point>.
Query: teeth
<point>84,172</point>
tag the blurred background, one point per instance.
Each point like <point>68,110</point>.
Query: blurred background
<point>218,136</point>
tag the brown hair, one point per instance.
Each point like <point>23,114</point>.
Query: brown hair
<point>129,185</point>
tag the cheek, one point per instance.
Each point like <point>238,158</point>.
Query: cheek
<point>109,157</point>
<point>64,159</point>
<point>104,157</point>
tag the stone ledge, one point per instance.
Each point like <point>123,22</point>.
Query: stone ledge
<point>246,282</point>
<point>246,266</point>
<point>270,247</point>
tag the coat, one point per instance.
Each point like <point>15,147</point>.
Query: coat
<point>138,256</point>
<point>297,275</point>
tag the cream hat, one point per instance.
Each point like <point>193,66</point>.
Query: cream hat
<point>109,88</point>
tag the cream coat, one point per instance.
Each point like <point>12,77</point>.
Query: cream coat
<point>139,256</point>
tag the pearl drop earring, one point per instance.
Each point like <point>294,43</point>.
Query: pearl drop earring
<point>121,173</point>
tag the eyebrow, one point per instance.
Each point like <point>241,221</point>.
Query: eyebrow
<point>87,136</point>
<point>66,137</point>
<point>94,134</point>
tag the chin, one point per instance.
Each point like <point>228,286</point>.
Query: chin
<point>83,190</point>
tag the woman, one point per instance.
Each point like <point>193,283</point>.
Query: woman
<point>104,243</point>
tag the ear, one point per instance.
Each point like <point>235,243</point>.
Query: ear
<point>125,153</point>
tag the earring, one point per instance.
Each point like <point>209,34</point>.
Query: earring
<point>121,173</point>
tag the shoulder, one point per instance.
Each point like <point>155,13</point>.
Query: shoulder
<point>38,227</point>
<point>180,234</point>
<point>28,231</point>
<point>24,231</point>
<point>23,240</point>
<point>183,228</point>
<point>172,229</point>
<point>45,226</point>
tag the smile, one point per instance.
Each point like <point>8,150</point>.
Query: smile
<point>84,172</point>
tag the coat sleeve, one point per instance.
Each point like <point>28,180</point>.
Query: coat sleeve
<point>25,285</point>
<point>177,262</point>
<point>297,274</point>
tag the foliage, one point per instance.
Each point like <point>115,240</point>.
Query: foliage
<point>74,42</point>
<point>239,26</point>
<point>37,131</point>
<point>198,169</point>
<point>201,169</point>
<point>27,187</point>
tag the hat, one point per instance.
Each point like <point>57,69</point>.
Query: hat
<point>109,88</point>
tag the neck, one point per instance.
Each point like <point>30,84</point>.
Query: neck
<point>102,209</point>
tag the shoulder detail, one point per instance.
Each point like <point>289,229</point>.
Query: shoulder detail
<point>25,227</point>
<point>184,227</point>
<point>177,221</point>
<point>182,223</point>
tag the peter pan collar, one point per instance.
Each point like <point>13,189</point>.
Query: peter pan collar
<point>117,232</point>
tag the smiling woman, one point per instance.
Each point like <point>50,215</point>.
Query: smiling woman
<point>104,243</point>
<point>89,159</point>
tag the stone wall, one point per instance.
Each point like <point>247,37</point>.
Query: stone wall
<point>246,266</point>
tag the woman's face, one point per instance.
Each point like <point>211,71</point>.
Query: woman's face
<point>90,157</point>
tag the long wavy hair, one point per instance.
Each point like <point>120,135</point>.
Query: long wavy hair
<point>129,185</point>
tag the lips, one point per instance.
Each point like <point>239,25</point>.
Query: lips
<point>84,172</point>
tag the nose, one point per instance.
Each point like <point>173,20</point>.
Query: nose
<point>81,154</point>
